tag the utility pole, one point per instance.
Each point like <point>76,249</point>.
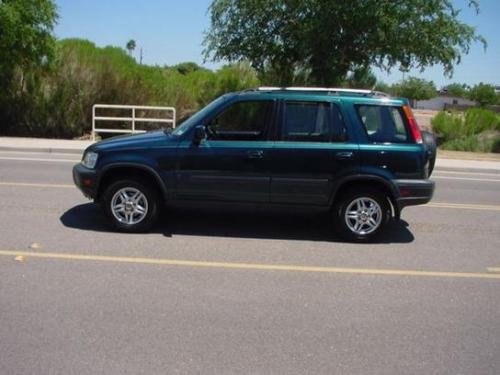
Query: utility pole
<point>140,56</point>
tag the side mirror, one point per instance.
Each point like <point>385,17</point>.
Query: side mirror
<point>199,135</point>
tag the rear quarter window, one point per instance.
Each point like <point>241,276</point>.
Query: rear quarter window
<point>383,124</point>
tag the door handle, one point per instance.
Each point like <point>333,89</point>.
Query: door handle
<point>255,154</point>
<point>344,154</point>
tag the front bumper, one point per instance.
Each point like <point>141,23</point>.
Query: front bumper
<point>86,180</point>
<point>413,192</point>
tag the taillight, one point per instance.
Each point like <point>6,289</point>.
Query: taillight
<point>412,122</point>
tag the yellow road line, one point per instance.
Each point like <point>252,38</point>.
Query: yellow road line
<point>489,207</point>
<point>493,269</point>
<point>250,266</point>
<point>28,184</point>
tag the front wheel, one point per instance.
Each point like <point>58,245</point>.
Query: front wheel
<point>361,215</point>
<point>130,205</point>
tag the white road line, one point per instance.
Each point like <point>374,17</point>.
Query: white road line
<point>37,153</point>
<point>41,159</point>
<point>29,184</point>
<point>487,207</point>
<point>466,173</point>
<point>434,177</point>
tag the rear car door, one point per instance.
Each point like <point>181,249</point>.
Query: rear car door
<point>231,164</point>
<point>386,142</point>
<point>314,148</point>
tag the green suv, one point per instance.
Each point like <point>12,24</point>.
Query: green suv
<point>357,153</point>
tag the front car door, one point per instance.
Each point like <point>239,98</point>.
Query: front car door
<point>231,164</point>
<point>314,149</point>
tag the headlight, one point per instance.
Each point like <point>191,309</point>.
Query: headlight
<point>89,159</point>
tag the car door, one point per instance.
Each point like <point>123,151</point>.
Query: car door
<point>231,163</point>
<point>386,143</point>
<point>313,149</point>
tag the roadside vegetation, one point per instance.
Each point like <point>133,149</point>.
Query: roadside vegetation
<point>475,130</point>
<point>57,101</point>
<point>48,86</point>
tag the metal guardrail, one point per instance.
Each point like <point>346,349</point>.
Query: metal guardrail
<point>132,119</point>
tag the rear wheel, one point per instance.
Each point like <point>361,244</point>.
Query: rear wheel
<point>130,205</point>
<point>361,215</point>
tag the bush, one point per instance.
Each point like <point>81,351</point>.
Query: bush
<point>476,130</point>
<point>57,102</point>
<point>448,126</point>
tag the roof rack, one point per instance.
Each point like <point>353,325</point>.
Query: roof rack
<point>329,90</point>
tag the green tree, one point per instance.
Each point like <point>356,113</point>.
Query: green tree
<point>457,89</point>
<point>131,46</point>
<point>331,38</point>
<point>414,88</point>
<point>362,78</point>
<point>383,87</point>
<point>483,94</point>
<point>26,39</point>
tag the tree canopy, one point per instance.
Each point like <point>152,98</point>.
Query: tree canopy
<point>456,89</point>
<point>329,39</point>
<point>415,89</point>
<point>131,46</point>
<point>483,94</point>
<point>25,34</point>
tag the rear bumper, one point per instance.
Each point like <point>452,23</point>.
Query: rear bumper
<point>413,192</point>
<point>86,180</point>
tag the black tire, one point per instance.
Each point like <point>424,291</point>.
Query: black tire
<point>152,202</point>
<point>429,140</point>
<point>340,221</point>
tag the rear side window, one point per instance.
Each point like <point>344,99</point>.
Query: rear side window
<point>312,122</point>
<point>383,124</point>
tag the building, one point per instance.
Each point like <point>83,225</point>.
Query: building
<point>439,102</point>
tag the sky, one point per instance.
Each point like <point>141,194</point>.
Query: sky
<point>170,32</point>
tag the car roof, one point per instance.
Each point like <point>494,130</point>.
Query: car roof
<point>322,94</point>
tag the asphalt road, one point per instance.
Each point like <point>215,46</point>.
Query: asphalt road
<point>254,293</point>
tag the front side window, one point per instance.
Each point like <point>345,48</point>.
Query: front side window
<point>383,124</point>
<point>241,121</point>
<point>312,122</point>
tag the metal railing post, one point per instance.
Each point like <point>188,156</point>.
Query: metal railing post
<point>133,120</point>
<point>93,123</point>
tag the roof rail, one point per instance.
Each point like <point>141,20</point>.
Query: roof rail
<point>330,90</point>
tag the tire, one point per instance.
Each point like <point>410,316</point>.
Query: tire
<point>429,140</point>
<point>374,201</point>
<point>140,209</point>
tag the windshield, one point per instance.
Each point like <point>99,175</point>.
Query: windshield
<point>196,118</point>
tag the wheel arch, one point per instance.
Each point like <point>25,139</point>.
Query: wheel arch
<point>364,181</point>
<point>140,172</point>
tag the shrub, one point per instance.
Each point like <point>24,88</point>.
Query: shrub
<point>448,126</point>
<point>57,102</point>
<point>478,120</point>
<point>476,130</point>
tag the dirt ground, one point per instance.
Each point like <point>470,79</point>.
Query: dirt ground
<point>424,117</point>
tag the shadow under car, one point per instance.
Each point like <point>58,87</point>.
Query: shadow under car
<point>238,222</point>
